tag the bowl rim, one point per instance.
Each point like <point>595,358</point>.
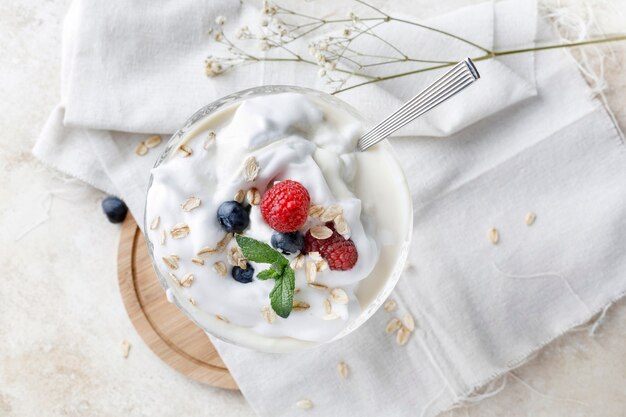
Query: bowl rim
<point>242,95</point>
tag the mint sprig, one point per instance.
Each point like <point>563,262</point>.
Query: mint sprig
<point>281,296</point>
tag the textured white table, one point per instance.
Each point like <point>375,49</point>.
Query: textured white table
<point>62,319</point>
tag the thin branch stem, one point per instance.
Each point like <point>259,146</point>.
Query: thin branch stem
<point>409,22</point>
<point>488,56</point>
<point>443,32</point>
<point>565,45</point>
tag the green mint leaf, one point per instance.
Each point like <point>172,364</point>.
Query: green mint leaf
<point>281,296</point>
<point>268,274</point>
<point>279,267</point>
<point>256,251</point>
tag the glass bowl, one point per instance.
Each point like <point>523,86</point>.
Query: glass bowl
<point>384,285</point>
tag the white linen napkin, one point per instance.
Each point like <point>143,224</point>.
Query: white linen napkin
<point>527,138</point>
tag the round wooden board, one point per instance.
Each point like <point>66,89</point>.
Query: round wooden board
<point>165,329</point>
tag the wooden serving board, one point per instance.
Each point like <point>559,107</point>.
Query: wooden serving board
<point>165,329</point>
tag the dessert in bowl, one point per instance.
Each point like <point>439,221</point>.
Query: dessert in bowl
<point>267,226</point>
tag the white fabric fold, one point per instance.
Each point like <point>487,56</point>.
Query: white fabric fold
<point>527,137</point>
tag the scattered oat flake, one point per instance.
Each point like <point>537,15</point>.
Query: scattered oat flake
<point>315,256</point>
<point>240,196</point>
<point>408,322</point>
<point>153,141</point>
<point>310,271</point>
<point>185,151</point>
<point>328,307</point>
<point>221,245</point>
<point>235,257</point>
<point>330,213</point>
<point>530,218</point>
<point>321,232</point>
<point>220,268</point>
<point>331,316</point>
<point>300,305</point>
<point>393,325</point>
<point>222,318</point>
<point>316,211</point>
<point>187,280</point>
<point>179,231</point>
<point>494,236</point>
<point>155,223</point>
<point>342,370</point>
<point>390,305</point>
<point>317,286</point>
<point>250,169</point>
<point>141,149</point>
<point>297,262</point>
<point>402,336</point>
<point>268,314</point>
<point>162,237</point>
<point>192,301</point>
<point>321,265</point>
<point>341,226</point>
<point>304,404</point>
<point>339,296</point>
<point>206,251</point>
<point>190,203</point>
<point>230,257</point>
<point>197,261</point>
<point>171,261</point>
<point>254,196</point>
<point>174,278</point>
<point>125,348</point>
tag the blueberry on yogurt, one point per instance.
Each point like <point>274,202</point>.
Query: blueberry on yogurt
<point>233,216</point>
<point>242,275</point>
<point>288,243</point>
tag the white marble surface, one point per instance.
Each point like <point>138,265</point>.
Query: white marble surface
<point>62,319</point>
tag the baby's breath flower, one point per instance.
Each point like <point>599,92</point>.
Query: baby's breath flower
<point>264,45</point>
<point>282,31</point>
<point>242,32</point>
<point>330,66</point>
<point>347,32</point>
<point>268,8</point>
<point>213,68</point>
<point>321,73</point>
<point>219,36</point>
<point>220,20</point>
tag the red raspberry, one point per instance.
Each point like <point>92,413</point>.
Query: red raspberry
<point>285,206</point>
<point>340,253</point>
<point>312,244</point>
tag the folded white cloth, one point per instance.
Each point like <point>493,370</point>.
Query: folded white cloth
<point>527,138</point>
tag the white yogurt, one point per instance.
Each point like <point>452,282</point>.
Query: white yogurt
<point>301,138</point>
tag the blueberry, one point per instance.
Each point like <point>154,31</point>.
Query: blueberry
<point>234,217</point>
<point>242,275</point>
<point>288,243</point>
<point>115,209</point>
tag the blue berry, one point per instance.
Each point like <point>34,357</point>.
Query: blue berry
<point>115,209</point>
<point>234,217</point>
<point>288,243</point>
<point>242,275</point>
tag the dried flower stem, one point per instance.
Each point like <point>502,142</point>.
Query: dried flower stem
<point>335,56</point>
